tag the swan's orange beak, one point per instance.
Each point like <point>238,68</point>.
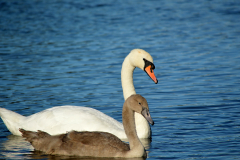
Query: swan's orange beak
<point>151,74</point>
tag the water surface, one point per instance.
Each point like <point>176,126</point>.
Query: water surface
<point>56,53</point>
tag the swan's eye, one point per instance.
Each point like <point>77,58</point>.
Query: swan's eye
<point>148,63</point>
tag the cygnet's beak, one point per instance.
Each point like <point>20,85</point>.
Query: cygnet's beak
<point>147,115</point>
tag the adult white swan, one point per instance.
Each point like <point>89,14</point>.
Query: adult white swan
<point>62,119</point>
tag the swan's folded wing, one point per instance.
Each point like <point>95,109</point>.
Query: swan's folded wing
<point>97,139</point>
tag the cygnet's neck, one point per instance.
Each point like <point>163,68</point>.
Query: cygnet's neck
<point>127,78</point>
<point>136,147</point>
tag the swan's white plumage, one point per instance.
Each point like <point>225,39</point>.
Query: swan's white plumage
<point>61,119</point>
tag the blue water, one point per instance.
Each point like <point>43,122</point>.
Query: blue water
<point>70,53</point>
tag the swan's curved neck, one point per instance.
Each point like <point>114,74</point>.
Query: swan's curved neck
<point>127,78</point>
<point>136,147</point>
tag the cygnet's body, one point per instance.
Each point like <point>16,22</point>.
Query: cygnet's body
<point>96,144</point>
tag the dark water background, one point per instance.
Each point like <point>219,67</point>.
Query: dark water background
<point>70,53</point>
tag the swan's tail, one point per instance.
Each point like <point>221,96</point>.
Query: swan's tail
<point>40,140</point>
<point>12,120</point>
<point>33,136</point>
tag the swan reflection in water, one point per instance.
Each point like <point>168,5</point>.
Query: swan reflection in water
<point>15,147</point>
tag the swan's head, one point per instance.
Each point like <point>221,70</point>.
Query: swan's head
<point>139,104</point>
<point>143,60</point>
